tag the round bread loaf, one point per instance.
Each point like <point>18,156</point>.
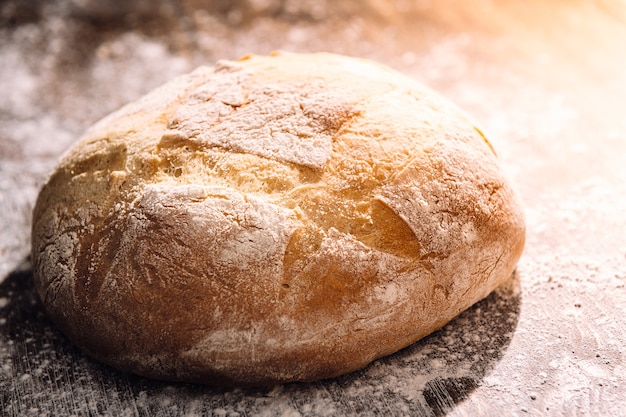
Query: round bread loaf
<point>272,219</point>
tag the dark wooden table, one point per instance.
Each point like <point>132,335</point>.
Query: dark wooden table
<point>547,82</point>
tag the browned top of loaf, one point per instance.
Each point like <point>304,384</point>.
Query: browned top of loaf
<point>253,213</point>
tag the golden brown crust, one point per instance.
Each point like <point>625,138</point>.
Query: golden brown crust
<point>272,219</point>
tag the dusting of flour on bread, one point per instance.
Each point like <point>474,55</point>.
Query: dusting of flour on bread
<point>292,122</point>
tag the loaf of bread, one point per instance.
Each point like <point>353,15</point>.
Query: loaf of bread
<point>277,218</point>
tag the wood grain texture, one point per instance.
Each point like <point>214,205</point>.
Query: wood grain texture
<point>546,82</point>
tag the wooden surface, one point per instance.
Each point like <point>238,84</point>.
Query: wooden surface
<point>545,80</point>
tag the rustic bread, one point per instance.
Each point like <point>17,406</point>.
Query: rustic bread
<point>272,219</point>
